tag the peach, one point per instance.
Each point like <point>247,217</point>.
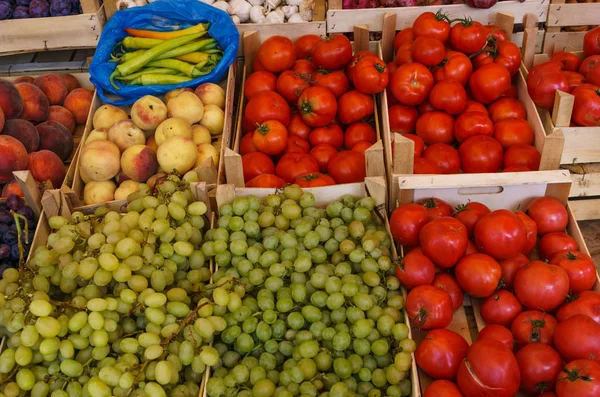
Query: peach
<point>211,94</point>
<point>53,87</point>
<point>24,132</point>
<point>177,154</point>
<point>121,177</point>
<point>99,192</point>
<point>125,189</point>
<point>35,103</point>
<point>12,187</point>
<point>213,119</point>
<point>2,120</point>
<point>100,134</point>
<point>23,79</point>
<point>62,116</point>
<point>186,106</point>
<point>125,134</point>
<point>207,151</point>
<point>151,143</point>
<point>139,163</point>
<point>172,127</point>
<point>10,100</point>
<point>201,134</point>
<point>13,157</point>
<point>148,112</point>
<point>70,81</point>
<point>79,102</point>
<point>47,166</point>
<point>106,115</point>
<point>55,137</point>
<point>155,178</point>
<point>100,161</point>
<point>172,94</point>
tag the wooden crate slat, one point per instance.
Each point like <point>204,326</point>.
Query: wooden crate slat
<point>586,179</point>
<point>585,210</point>
<point>573,14</point>
<point>567,41</point>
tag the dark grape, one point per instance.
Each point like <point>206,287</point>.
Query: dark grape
<point>60,7</point>
<point>10,237</point>
<point>4,251</point>
<point>21,12</point>
<point>14,252</point>
<point>6,218</point>
<point>3,229</point>
<point>27,212</point>
<point>39,9</point>
<point>24,3</point>
<point>14,202</point>
<point>6,10</point>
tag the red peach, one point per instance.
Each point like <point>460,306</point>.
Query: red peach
<point>23,79</point>
<point>12,187</point>
<point>35,103</point>
<point>56,138</point>
<point>13,157</point>
<point>46,165</point>
<point>62,116</point>
<point>53,87</point>
<point>11,102</point>
<point>78,102</point>
<point>24,132</point>
<point>70,81</point>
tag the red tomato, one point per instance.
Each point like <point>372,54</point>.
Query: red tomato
<point>496,33</point>
<point>440,353</point>
<point>347,167</point>
<point>468,37</point>
<point>579,267</point>
<point>578,337</point>
<point>539,365</point>
<point>418,142</point>
<point>501,234</point>
<point>470,213</point>
<point>357,132</point>
<point>403,36</point>
<point>458,67</point>
<point>429,51</point>
<point>259,82</point>
<point>425,107</point>
<point>362,146</point>
<point>541,286</point>
<point>445,156</point>
<point>296,144</point>
<point>415,269</point>
<point>591,42</point>
<point>478,275</point>
<point>298,127</point>
<point>291,165</point>
<point>331,134</point>
<point>290,85</point>
<point>522,155</point>
<point>428,308</point>
<point>567,60</point>
<point>489,82</point>
<point>474,106</point>
<point>404,54</point>
<point>256,163</point>
<point>266,180</point>
<point>247,144</point>
<point>304,68</point>
<point>489,365</point>
<point>270,137</point>
<point>531,228</point>
<point>543,81</point>
<point>266,106</point>
<point>469,124</point>
<point>424,166</point>
<point>446,282</point>
<point>371,76</point>
<point>436,208</point>
<point>510,267</point>
<point>588,63</point>
<point>500,308</point>
<point>354,106</point>
<point>579,378</point>
<point>507,108</point>
<point>436,127</point>
<point>533,326</point>
<point>586,109</point>
<point>511,92</point>
<point>406,222</point>
<point>511,132</point>
<point>449,96</point>
<point>411,83</point>
<point>555,242</point>
<point>442,388</point>
<point>257,66</point>
<point>336,81</point>
<point>332,52</point>
<point>593,76</point>
<point>276,54</point>
<point>304,45</point>
<point>314,180</point>
<point>403,119</point>
<point>318,106</point>
<point>323,153</point>
<point>549,214</point>
<point>586,303</point>
<point>480,153</point>
<point>432,25</point>
<point>444,241</point>
<point>498,333</point>
<point>505,53</point>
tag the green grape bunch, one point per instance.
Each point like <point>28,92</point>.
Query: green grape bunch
<point>115,304</point>
<point>312,306</point>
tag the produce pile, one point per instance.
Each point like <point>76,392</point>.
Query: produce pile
<point>148,57</point>
<point>38,117</point>
<point>538,304</point>
<point>356,4</point>
<point>567,72</point>
<point>16,232</point>
<point>18,9</point>
<point>309,113</point>
<point>461,96</point>
<point>121,153</point>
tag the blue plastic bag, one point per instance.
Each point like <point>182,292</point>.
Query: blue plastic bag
<point>162,15</point>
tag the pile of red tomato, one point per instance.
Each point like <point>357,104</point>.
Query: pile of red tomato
<point>450,86</point>
<point>540,313</point>
<point>569,73</point>
<point>308,117</point>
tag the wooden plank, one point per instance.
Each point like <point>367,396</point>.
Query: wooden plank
<point>582,145</point>
<point>563,108</point>
<point>344,20</point>
<point>568,41</point>
<point>573,14</point>
<point>585,210</point>
<point>586,179</point>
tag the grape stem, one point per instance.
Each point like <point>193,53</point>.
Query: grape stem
<point>19,234</point>
<point>184,323</point>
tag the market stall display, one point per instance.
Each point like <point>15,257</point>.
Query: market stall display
<point>568,21</point>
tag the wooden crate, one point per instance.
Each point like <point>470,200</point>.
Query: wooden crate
<point>53,33</point>
<point>584,198</point>
<point>568,22</point>
<point>342,21</point>
<point>374,156</point>
<point>504,191</point>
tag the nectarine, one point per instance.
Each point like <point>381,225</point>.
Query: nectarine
<point>56,138</point>
<point>78,102</point>
<point>53,87</point>
<point>24,132</point>
<point>11,102</point>
<point>63,116</point>
<point>35,103</point>
<point>13,157</point>
<point>47,166</point>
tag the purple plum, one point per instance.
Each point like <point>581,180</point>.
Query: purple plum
<point>39,9</point>
<point>23,3</point>
<point>6,10</point>
<point>21,12</point>
<point>60,7</point>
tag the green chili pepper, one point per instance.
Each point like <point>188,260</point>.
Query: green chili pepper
<point>159,79</point>
<point>188,48</point>
<point>146,71</point>
<point>180,66</point>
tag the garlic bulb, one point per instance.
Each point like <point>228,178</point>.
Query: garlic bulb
<point>257,14</point>
<point>124,4</point>
<point>272,4</point>
<point>256,2</point>
<point>288,11</point>
<point>209,2</point>
<point>295,18</point>
<point>305,9</point>
<point>222,5</point>
<point>241,8</point>
<point>276,16</point>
